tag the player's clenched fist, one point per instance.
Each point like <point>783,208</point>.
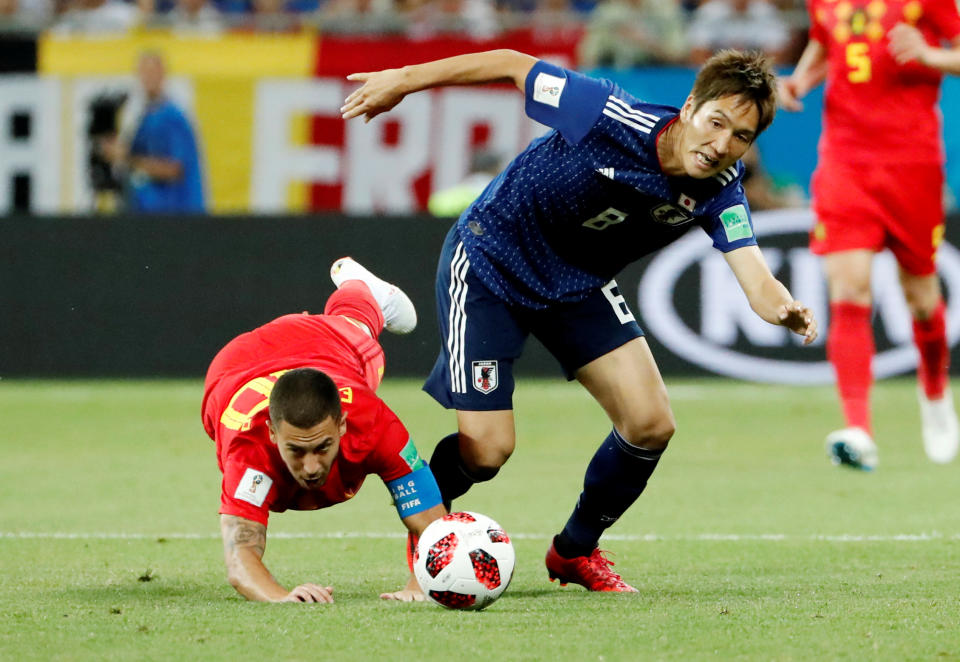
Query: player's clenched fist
<point>310,593</point>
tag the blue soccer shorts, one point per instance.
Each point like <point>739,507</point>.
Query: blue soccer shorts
<point>481,335</point>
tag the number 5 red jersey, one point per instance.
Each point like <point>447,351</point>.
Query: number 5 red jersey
<point>874,108</point>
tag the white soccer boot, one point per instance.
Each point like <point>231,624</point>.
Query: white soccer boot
<point>941,434</point>
<point>852,447</point>
<point>399,315</point>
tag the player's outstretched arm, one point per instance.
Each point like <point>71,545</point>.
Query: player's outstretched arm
<point>767,296</point>
<point>415,524</point>
<point>811,70</point>
<point>907,44</point>
<point>382,90</point>
<point>244,542</point>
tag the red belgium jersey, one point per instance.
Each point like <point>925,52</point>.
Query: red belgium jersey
<point>235,413</point>
<point>875,109</point>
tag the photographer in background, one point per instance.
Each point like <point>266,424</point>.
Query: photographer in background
<point>105,180</point>
<point>161,164</point>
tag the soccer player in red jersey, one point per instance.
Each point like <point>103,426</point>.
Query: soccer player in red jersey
<point>879,184</point>
<point>298,426</point>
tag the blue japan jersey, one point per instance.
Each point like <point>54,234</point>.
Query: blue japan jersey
<point>589,197</point>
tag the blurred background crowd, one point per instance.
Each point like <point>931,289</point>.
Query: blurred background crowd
<point>615,33</point>
<point>140,144</point>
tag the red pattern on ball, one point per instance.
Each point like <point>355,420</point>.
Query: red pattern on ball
<point>441,554</point>
<point>459,517</point>
<point>453,600</point>
<point>485,568</point>
<point>498,535</point>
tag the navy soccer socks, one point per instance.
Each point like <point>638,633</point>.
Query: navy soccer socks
<point>453,478</point>
<point>615,477</point>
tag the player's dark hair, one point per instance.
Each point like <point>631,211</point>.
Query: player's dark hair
<point>748,75</point>
<point>303,398</point>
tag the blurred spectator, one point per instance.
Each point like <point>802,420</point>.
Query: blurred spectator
<point>555,18</point>
<point>97,17</point>
<point>484,166</point>
<point>743,24</point>
<point>513,12</point>
<point>272,16</point>
<point>429,18</point>
<point>233,8</point>
<point>266,15</point>
<point>24,15</point>
<point>361,16</point>
<point>760,189</point>
<point>627,33</point>
<point>302,6</point>
<point>195,17</point>
<point>162,162</point>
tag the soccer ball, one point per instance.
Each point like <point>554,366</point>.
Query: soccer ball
<point>464,561</point>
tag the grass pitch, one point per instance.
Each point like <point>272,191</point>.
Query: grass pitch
<point>746,545</point>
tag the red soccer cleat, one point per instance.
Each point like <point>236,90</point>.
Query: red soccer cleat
<point>592,572</point>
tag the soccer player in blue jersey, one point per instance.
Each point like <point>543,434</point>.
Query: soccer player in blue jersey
<point>537,252</point>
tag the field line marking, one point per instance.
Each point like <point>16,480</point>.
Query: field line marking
<point>649,537</point>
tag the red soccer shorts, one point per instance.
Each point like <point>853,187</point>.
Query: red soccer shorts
<point>889,205</point>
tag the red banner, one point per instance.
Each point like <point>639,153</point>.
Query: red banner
<point>338,56</point>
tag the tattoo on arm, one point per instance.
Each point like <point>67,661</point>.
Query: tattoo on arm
<point>239,533</point>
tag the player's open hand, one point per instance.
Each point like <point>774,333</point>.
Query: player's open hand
<point>409,593</point>
<point>907,44</point>
<point>310,593</point>
<point>405,595</point>
<point>799,319</point>
<point>381,91</point>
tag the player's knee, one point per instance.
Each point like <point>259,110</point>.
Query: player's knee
<point>922,301</point>
<point>483,474</point>
<point>849,287</point>
<point>922,309</point>
<point>483,464</point>
<point>652,433</point>
<point>848,278</point>
<point>483,457</point>
<point>851,292</point>
<point>486,444</point>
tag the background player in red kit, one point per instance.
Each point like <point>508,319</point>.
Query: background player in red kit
<point>879,184</point>
<point>293,409</point>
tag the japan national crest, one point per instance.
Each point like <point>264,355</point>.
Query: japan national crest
<point>669,215</point>
<point>485,376</point>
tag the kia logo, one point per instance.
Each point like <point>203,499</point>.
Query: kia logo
<point>731,340</point>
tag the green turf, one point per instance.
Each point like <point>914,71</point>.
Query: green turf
<point>755,548</point>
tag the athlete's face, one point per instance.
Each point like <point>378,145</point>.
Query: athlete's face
<point>716,135</point>
<point>309,452</point>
